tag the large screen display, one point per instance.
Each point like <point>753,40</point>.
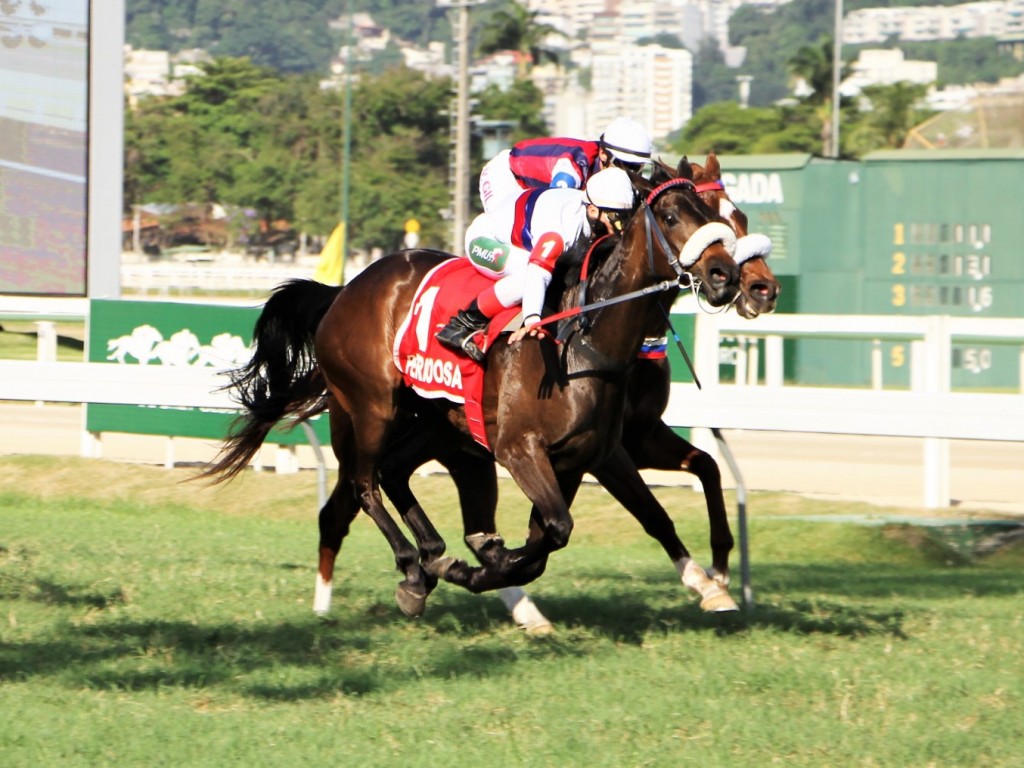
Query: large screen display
<point>44,99</point>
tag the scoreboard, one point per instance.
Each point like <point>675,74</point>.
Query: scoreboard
<point>902,232</point>
<point>943,237</point>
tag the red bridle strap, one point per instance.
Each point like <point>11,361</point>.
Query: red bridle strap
<point>585,270</point>
<point>708,186</point>
<point>667,185</point>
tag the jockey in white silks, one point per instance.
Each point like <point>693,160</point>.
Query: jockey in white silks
<point>518,244</point>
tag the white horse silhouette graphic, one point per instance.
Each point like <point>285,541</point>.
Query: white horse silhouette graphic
<point>181,349</point>
<point>139,344</point>
<point>146,344</point>
<point>224,349</point>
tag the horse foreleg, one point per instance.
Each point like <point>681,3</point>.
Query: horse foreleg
<point>659,447</point>
<point>477,486</point>
<point>500,568</point>
<point>550,527</point>
<point>621,478</point>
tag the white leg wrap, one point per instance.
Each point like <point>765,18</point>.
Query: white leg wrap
<point>511,596</point>
<point>714,595</point>
<point>322,596</point>
<point>524,611</point>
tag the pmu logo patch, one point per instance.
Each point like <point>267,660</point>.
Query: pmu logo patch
<point>488,253</point>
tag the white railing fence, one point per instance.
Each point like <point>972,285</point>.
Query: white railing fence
<point>929,410</point>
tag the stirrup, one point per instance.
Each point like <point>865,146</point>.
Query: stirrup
<point>473,351</point>
<point>458,335</point>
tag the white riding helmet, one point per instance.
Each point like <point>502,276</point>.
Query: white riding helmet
<point>610,189</point>
<point>627,141</point>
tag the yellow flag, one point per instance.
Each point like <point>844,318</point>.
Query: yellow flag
<point>330,270</point>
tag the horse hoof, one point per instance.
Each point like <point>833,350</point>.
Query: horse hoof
<point>528,617</point>
<point>718,602</point>
<point>439,568</point>
<point>714,596</point>
<point>539,628</point>
<point>410,603</point>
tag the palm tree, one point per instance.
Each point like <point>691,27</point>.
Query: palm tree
<point>514,28</point>
<point>813,64</point>
<point>895,110</point>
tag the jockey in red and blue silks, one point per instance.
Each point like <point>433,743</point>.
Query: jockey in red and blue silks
<point>554,162</point>
<point>517,246</point>
<point>562,162</point>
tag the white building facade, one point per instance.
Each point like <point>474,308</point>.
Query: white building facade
<point>648,83</point>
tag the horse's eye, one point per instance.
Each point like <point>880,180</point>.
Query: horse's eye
<point>670,219</point>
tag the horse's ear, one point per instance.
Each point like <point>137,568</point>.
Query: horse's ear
<point>642,185</point>
<point>711,167</point>
<point>660,172</point>
<point>685,170</point>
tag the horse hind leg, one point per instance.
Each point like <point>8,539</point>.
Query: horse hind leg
<point>335,520</point>
<point>663,449</point>
<point>357,489</point>
<point>411,593</point>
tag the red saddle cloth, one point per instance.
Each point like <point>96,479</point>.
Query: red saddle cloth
<point>431,369</point>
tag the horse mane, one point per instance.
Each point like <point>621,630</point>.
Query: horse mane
<point>569,267</point>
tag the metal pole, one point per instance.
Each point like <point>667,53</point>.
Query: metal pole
<point>837,63</point>
<point>741,505</point>
<point>346,152</point>
<point>461,201</point>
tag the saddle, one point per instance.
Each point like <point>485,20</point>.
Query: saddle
<point>432,370</point>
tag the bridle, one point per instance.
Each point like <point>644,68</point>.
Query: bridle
<point>688,255</point>
<point>694,246</point>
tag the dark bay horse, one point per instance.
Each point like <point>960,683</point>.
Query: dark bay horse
<point>648,441</point>
<point>546,425</point>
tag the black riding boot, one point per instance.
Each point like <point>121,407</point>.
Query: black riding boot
<point>458,334</point>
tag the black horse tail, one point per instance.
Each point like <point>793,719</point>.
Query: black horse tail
<point>282,378</point>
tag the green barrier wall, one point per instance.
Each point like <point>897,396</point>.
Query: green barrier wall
<point>172,334</point>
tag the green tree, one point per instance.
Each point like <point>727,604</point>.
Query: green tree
<point>236,136</point>
<point>399,158</point>
<point>712,80</point>
<point>772,37</point>
<point>814,64</point>
<point>515,28</point>
<point>725,128</point>
<point>893,110</point>
<point>522,103</point>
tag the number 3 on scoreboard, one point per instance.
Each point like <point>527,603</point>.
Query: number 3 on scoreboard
<point>899,295</point>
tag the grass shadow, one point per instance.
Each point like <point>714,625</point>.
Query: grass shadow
<point>369,647</point>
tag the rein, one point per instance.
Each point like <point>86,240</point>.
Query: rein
<point>677,262</point>
<point>664,285</point>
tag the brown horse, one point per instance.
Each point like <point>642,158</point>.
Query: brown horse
<point>546,424</point>
<point>647,440</point>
